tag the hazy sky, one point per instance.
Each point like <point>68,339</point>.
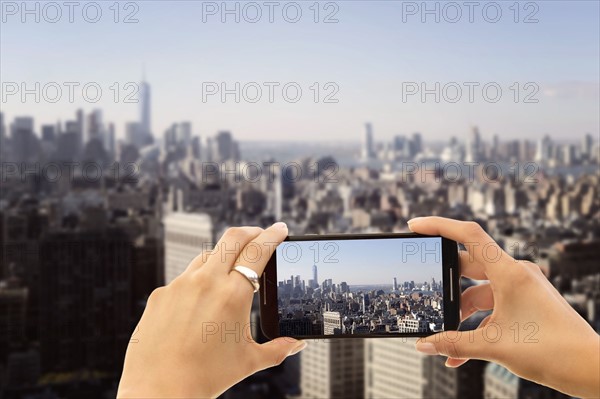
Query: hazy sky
<point>369,54</point>
<point>362,261</point>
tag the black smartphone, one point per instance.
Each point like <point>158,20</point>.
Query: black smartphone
<point>361,286</point>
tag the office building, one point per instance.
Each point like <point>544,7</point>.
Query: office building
<point>332,323</point>
<point>94,127</point>
<point>332,369</point>
<point>226,148</point>
<point>474,146</point>
<point>368,149</point>
<point>13,306</point>
<point>186,236</point>
<point>109,141</point>
<point>465,381</point>
<point>85,300</point>
<point>394,369</point>
<point>544,149</point>
<point>587,147</point>
<point>501,383</point>
<point>412,326</point>
<point>23,139</point>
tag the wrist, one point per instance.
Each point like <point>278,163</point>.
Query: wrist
<point>580,373</point>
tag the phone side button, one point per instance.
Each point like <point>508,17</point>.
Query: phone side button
<point>264,288</point>
<point>451,284</point>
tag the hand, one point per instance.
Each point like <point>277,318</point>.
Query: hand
<point>193,339</point>
<point>532,330</point>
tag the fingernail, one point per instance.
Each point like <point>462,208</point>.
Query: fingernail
<point>449,365</point>
<point>413,220</point>
<point>301,345</point>
<point>280,225</point>
<point>426,347</point>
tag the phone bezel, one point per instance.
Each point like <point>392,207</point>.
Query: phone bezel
<point>269,320</point>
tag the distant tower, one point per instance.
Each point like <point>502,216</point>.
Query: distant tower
<point>473,150</point>
<point>225,146</point>
<point>94,126</point>
<point>145,106</point>
<point>315,278</point>
<point>417,144</point>
<point>368,152</point>
<point>395,286</point>
<point>109,141</point>
<point>587,146</point>
<point>544,149</point>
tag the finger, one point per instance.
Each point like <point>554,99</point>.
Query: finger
<point>257,252</point>
<point>229,247</point>
<point>475,298</point>
<point>455,344</point>
<point>274,352</point>
<point>453,362</point>
<point>198,261</point>
<point>478,243</point>
<point>469,267</point>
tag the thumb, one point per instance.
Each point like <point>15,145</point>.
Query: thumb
<point>274,352</point>
<point>455,344</point>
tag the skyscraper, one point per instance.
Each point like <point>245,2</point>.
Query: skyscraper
<point>184,133</point>
<point>226,147</point>
<point>417,144</point>
<point>145,108</point>
<point>587,145</point>
<point>456,383</point>
<point>368,150</point>
<point>272,186</point>
<point>401,147</point>
<point>3,138</point>
<point>393,369</point>
<point>80,129</point>
<point>332,323</point>
<point>94,126</point>
<point>85,315</point>
<point>544,149</point>
<point>315,276</point>
<point>501,383</point>
<point>24,141</point>
<point>186,235</point>
<point>473,150</point>
<point>109,141</point>
<point>333,369</point>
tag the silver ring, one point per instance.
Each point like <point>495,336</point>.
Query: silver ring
<point>250,275</point>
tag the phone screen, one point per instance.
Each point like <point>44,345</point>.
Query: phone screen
<point>360,286</point>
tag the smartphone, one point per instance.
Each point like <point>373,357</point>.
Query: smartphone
<point>361,286</point>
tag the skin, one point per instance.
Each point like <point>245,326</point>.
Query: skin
<point>189,344</point>
<point>532,330</point>
<point>193,340</point>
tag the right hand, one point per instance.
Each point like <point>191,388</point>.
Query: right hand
<point>532,330</point>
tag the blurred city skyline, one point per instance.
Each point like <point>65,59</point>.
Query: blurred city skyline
<point>358,54</point>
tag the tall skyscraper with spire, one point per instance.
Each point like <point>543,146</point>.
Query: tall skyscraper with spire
<point>145,125</point>
<point>139,133</point>
<point>315,277</point>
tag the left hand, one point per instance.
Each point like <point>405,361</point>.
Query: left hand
<point>193,339</point>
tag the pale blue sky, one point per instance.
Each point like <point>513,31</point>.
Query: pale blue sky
<point>362,261</point>
<point>368,53</point>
